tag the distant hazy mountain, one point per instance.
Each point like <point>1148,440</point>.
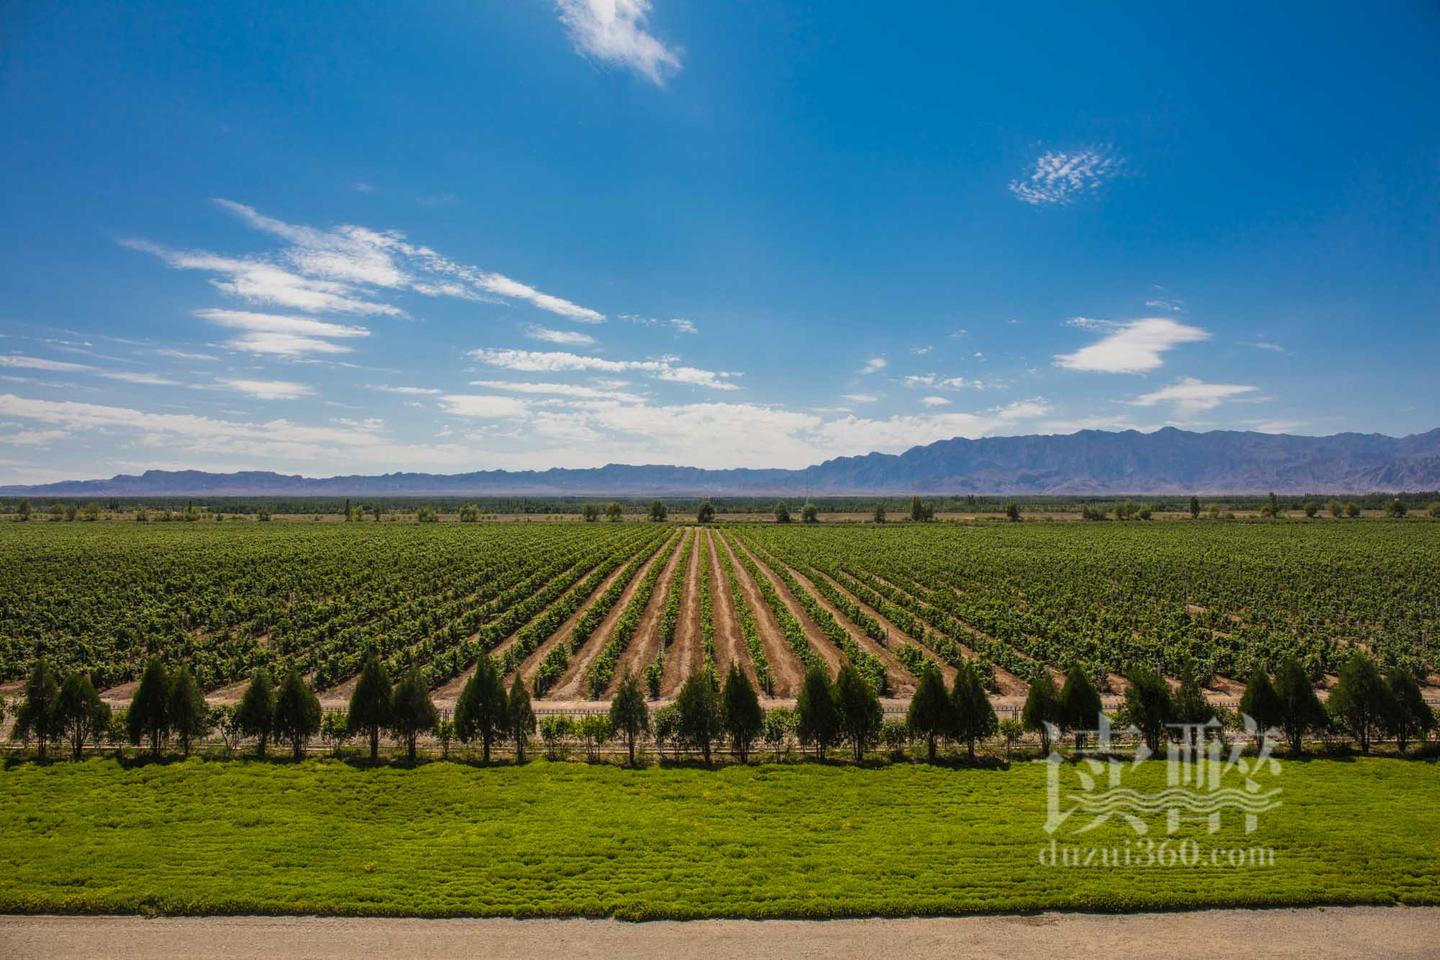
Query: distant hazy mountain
<point>1168,461</point>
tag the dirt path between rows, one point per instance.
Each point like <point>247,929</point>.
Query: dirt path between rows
<point>1334,933</point>
<point>785,667</point>
<point>896,635</point>
<point>729,644</point>
<point>646,643</point>
<point>902,681</point>
<point>1010,685</point>
<point>820,643</point>
<point>568,687</point>
<point>686,651</point>
<point>531,664</point>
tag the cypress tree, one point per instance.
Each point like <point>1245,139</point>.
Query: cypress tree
<point>255,715</point>
<point>743,716</point>
<point>369,711</point>
<point>297,712</point>
<point>149,710</point>
<point>970,710</point>
<point>1260,701</point>
<point>700,721</point>
<point>1300,709</point>
<point>1361,702</point>
<point>1079,704</point>
<point>929,713</point>
<point>1148,706</point>
<point>818,722</point>
<point>1412,717</point>
<point>629,716</point>
<point>859,710</point>
<point>411,711</point>
<point>1042,707</point>
<point>186,711</point>
<point>480,711</point>
<point>83,716</point>
<point>39,714</point>
<point>519,717</point>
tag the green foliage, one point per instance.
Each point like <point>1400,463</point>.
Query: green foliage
<point>149,709</point>
<point>810,513</point>
<point>782,512</point>
<point>555,729</point>
<point>781,723</point>
<point>929,714</point>
<point>629,716</point>
<point>1396,508</point>
<point>481,712</point>
<point>858,709</point>
<point>412,713</point>
<point>570,840</point>
<point>519,718</point>
<point>1079,703</point>
<point>700,715</point>
<point>879,515</point>
<point>1412,717</point>
<point>39,714</point>
<point>817,718</point>
<point>297,712</point>
<point>1042,708</point>
<point>614,512</point>
<point>594,730</point>
<point>186,714</point>
<point>743,717</point>
<point>369,711</point>
<point>1148,706</point>
<point>970,710</point>
<point>1301,712</point>
<point>706,513</point>
<point>469,513</point>
<point>1362,703</point>
<point>590,512</point>
<point>658,513</point>
<point>1012,512</point>
<point>1261,703</point>
<point>255,715</point>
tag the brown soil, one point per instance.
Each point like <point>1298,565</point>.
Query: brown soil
<point>902,681</point>
<point>896,634</point>
<point>569,685</point>
<point>531,663</point>
<point>1333,933</point>
<point>686,652</point>
<point>646,643</point>
<point>785,667</point>
<point>821,644</point>
<point>729,644</point>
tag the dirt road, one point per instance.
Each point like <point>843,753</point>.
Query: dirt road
<point>1397,933</point>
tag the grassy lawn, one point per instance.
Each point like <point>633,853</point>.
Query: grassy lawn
<point>565,838</point>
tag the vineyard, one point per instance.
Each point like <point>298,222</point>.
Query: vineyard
<point>571,608</point>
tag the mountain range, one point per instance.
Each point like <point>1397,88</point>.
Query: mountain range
<point>1167,461</point>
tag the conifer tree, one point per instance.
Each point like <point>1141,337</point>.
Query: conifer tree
<point>148,718</point>
<point>744,718</point>
<point>297,712</point>
<point>929,713</point>
<point>369,711</point>
<point>255,716</point>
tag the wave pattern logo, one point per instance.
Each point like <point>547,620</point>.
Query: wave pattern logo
<point>1206,777</point>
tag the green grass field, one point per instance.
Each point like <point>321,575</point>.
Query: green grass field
<point>559,839</point>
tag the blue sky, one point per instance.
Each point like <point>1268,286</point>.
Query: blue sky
<point>332,238</point>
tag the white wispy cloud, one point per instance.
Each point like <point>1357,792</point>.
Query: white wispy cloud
<point>548,361</point>
<point>407,391</point>
<point>267,389</point>
<point>280,335</point>
<point>563,337</point>
<point>23,362</point>
<point>935,401</point>
<point>1132,347</point>
<point>873,365</point>
<point>934,381</point>
<point>185,355</point>
<point>605,391</point>
<point>859,397</point>
<point>682,325</point>
<point>485,407</point>
<point>1059,177</point>
<point>1191,396</point>
<point>1263,345</point>
<point>614,31</point>
<point>385,259</point>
